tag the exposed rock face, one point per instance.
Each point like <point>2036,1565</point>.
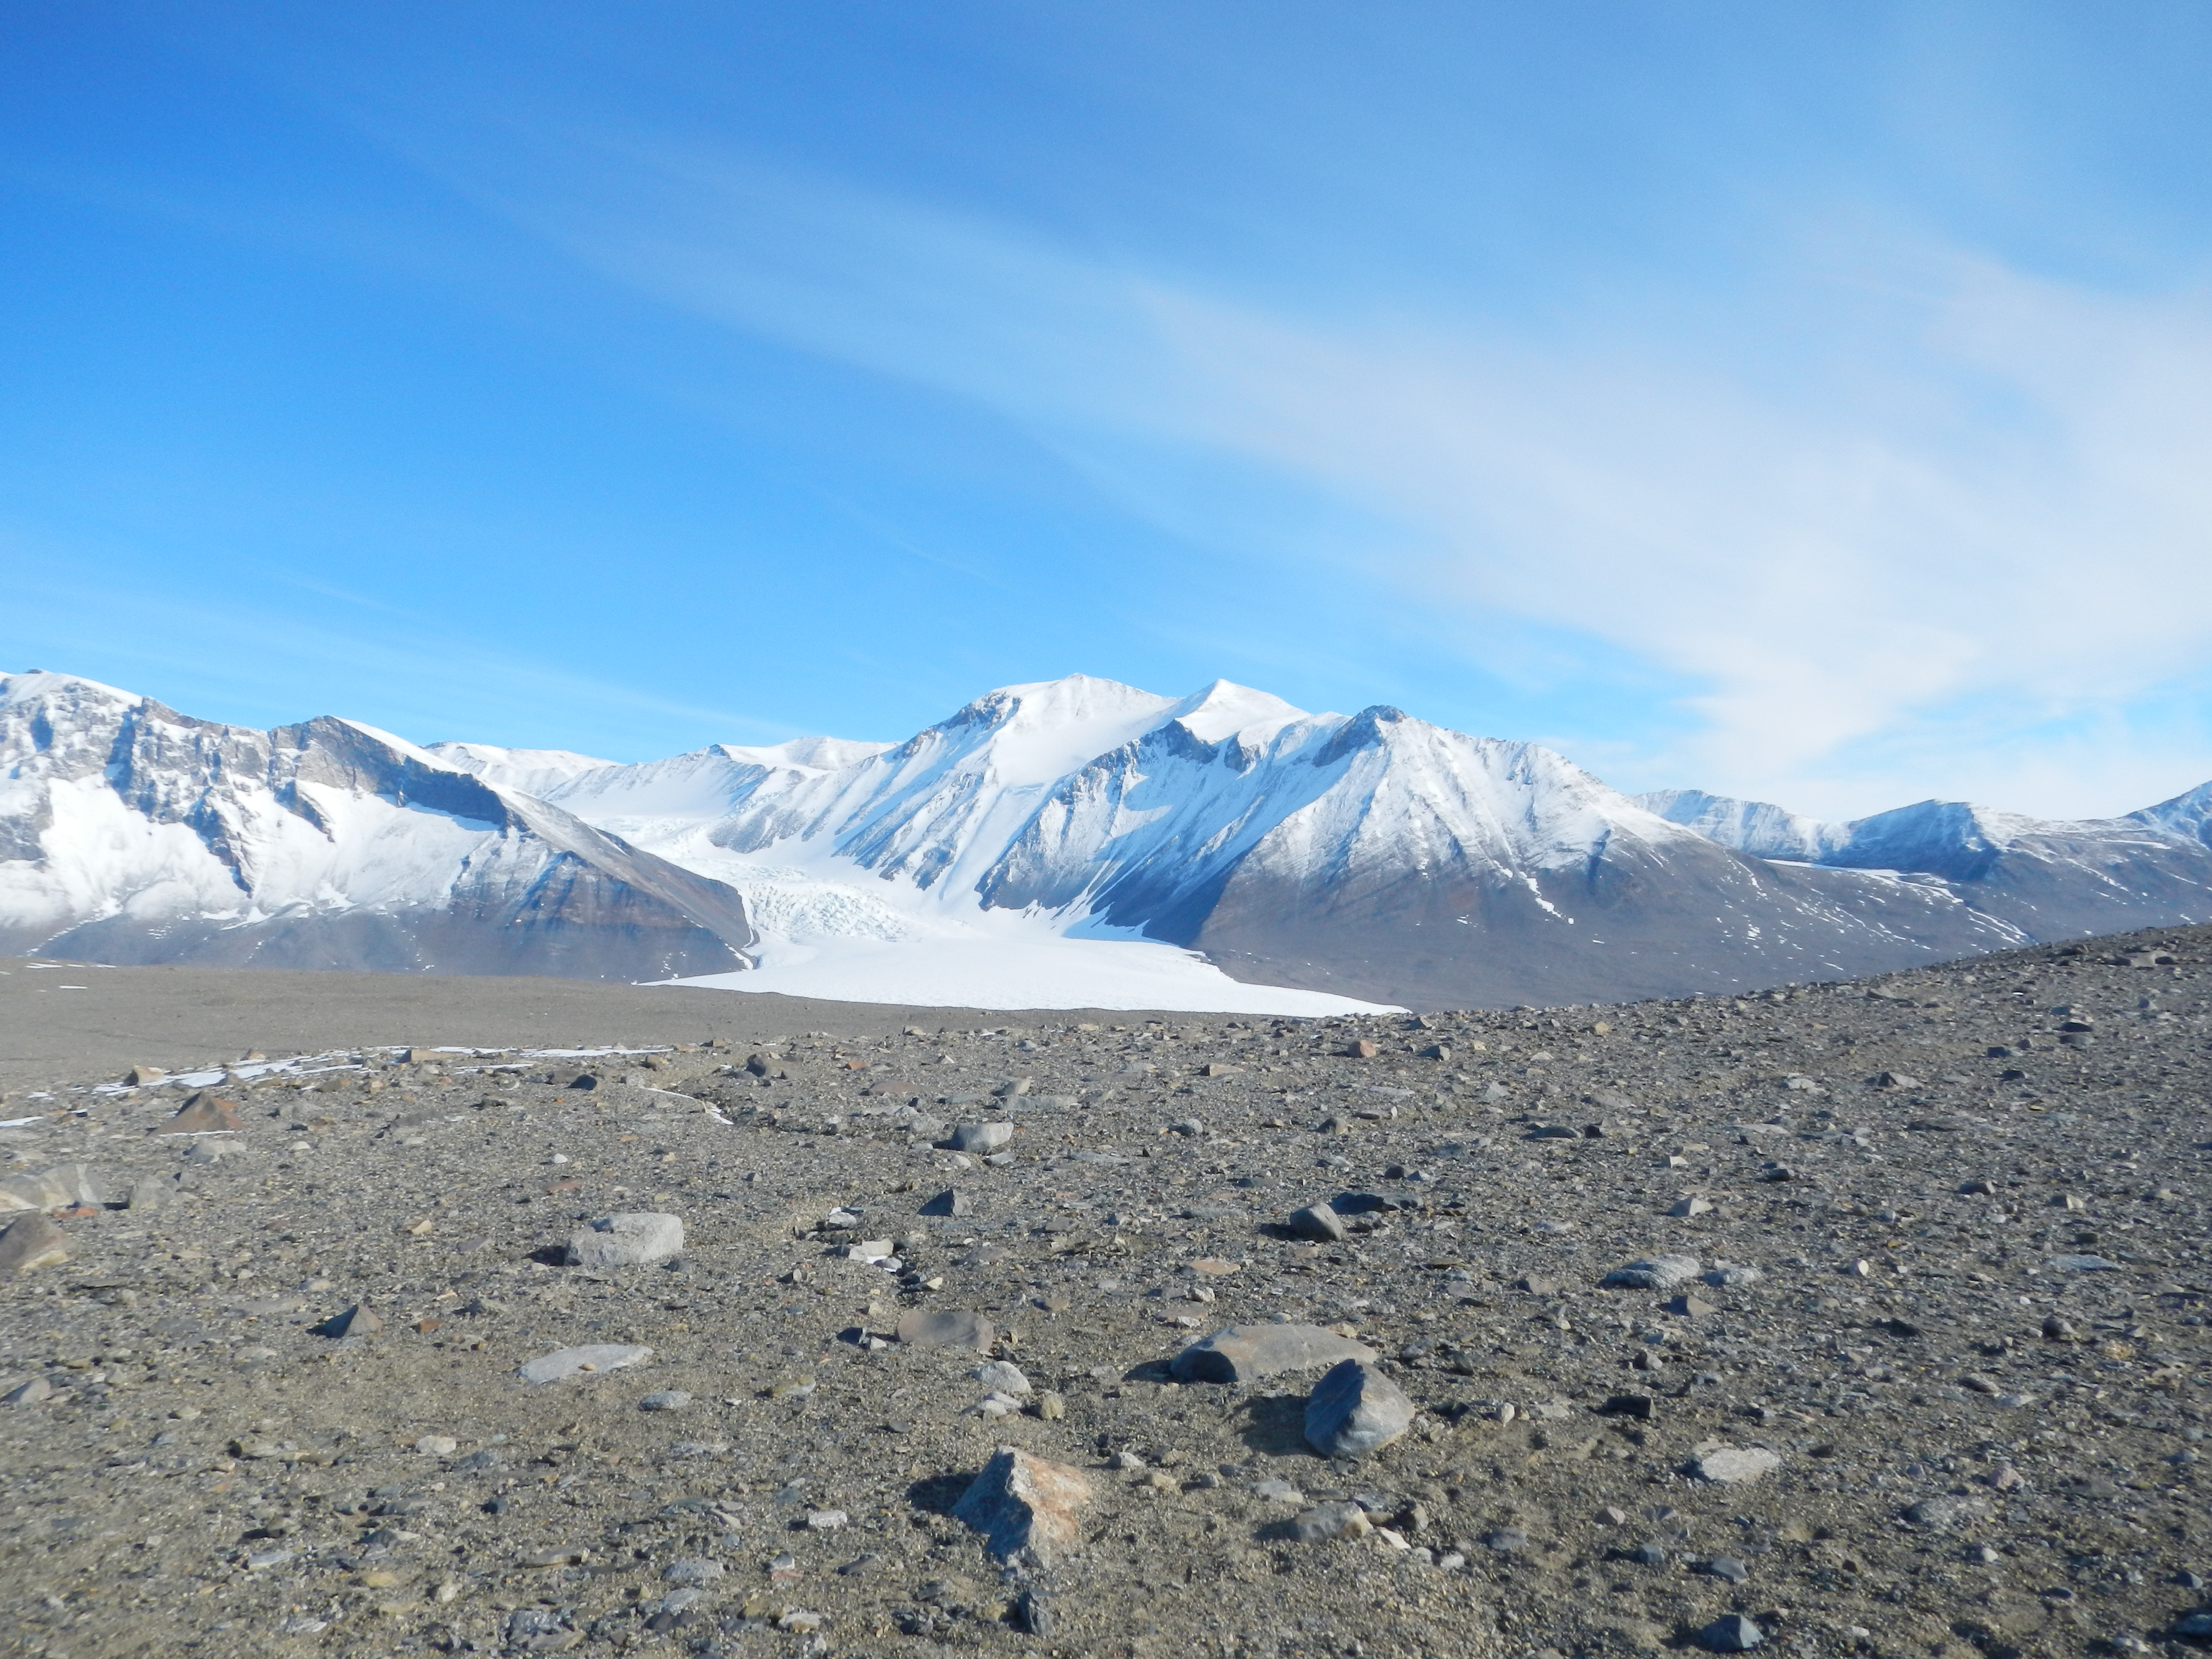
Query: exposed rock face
<point>323,845</point>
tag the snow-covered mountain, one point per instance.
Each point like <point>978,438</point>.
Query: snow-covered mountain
<point>131,833</point>
<point>1074,841</point>
<point>2053,878</point>
<point>1374,855</point>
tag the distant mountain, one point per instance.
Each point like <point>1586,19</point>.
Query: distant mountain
<point>2052,878</point>
<point>1372,856</point>
<point>131,833</point>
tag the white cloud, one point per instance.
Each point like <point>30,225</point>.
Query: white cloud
<point>1910,517</point>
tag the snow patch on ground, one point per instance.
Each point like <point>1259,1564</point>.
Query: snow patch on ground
<point>994,970</point>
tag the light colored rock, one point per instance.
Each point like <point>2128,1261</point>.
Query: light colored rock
<point>356,1321</point>
<point>1355,1410</point>
<point>945,1327</point>
<point>1024,1505</point>
<point>1002,1376</point>
<point>1318,1222</point>
<point>31,1192</point>
<point>437,1445</point>
<point>665,1400</point>
<point>633,1238</point>
<point>1654,1273</point>
<point>692,1570</point>
<point>981,1137</point>
<point>1247,1353</point>
<point>1733,1466</point>
<point>593,1357</point>
<point>1326,1521</point>
<point>28,1394</point>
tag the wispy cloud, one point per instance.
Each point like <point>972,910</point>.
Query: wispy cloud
<point>266,663</point>
<point>1911,523</point>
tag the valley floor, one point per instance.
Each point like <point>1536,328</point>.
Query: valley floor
<point>1944,1259</point>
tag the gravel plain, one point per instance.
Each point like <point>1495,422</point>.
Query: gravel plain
<point>1847,1319</point>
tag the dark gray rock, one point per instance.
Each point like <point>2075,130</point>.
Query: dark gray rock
<point>1355,1410</point>
<point>1731,1633</point>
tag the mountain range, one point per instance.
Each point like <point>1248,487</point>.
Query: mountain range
<point>1059,832</point>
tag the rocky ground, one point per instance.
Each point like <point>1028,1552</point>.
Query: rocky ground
<point>1864,1318</point>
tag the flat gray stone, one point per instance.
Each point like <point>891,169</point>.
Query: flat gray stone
<point>1319,1222</point>
<point>1654,1273</point>
<point>635,1238</point>
<point>1247,1353</point>
<point>945,1327</point>
<point>595,1357</point>
<point>981,1137</point>
<point>1355,1410</point>
<point>1732,1466</point>
<point>666,1399</point>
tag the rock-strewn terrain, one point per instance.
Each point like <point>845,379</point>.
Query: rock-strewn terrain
<point>1862,1318</point>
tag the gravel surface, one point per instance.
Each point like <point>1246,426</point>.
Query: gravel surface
<point>1864,1318</point>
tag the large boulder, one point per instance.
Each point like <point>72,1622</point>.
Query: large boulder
<point>1024,1505</point>
<point>1250,1354</point>
<point>1355,1410</point>
<point>634,1238</point>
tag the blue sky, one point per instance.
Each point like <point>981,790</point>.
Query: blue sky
<point>1811,402</point>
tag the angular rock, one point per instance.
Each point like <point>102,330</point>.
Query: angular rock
<point>80,1185</point>
<point>356,1321</point>
<point>1248,1353</point>
<point>592,1358</point>
<point>981,1137</point>
<point>1944,1513</point>
<point>665,1399</point>
<point>1731,1466</point>
<point>1003,1375</point>
<point>1317,1221</point>
<point>1731,1633</point>
<point>1024,1505</point>
<point>33,1240</point>
<point>28,1394</point>
<point>204,1114</point>
<point>1355,1410</point>
<point>32,1192</point>
<point>634,1238</point>
<point>1654,1273</point>
<point>951,1201</point>
<point>1326,1521</point>
<point>945,1327</point>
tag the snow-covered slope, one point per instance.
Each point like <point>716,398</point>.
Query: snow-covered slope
<point>532,771</point>
<point>135,834</point>
<point>2053,878</point>
<point>1372,855</point>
